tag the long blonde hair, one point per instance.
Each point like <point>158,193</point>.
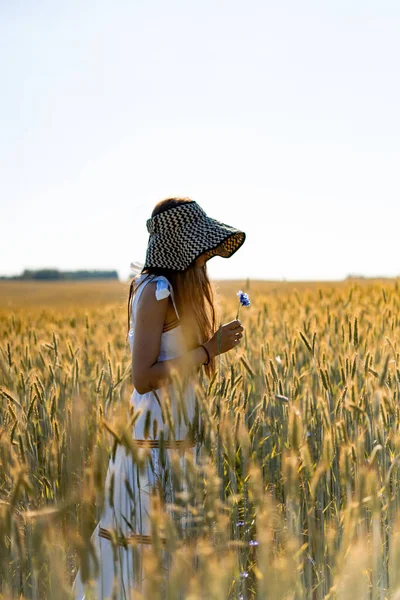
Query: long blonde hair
<point>193,291</point>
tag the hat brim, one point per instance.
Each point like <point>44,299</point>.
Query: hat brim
<point>215,239</point>
<point>204,236</point>
<point>231,240</point>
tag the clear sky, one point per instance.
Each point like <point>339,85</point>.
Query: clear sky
<point>280,118</point>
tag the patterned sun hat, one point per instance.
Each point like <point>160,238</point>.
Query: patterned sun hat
<point>181,234</point>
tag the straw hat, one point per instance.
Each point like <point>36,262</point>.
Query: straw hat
<point>181,234</point>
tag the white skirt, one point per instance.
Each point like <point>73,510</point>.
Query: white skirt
<point>130,494</point>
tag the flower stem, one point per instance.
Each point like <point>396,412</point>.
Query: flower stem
<point>237,314</point>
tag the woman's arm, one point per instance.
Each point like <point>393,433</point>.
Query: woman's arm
<point>147,373</point>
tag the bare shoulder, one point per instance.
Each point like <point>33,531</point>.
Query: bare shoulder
<point>148,303</point>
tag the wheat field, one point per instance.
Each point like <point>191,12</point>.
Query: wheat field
<point>297,493</point>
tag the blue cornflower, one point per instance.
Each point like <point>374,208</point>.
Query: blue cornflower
<point>243,300</point>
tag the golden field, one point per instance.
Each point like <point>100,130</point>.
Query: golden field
<point>297,496</point>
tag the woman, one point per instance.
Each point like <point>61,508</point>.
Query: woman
<point>172,335</point>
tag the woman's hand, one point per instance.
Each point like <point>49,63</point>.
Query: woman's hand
<point>225,338</point>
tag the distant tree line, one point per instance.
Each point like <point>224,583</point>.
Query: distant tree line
<point>56,275</point>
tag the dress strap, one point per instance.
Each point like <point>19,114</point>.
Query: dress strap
<point>163,290</point>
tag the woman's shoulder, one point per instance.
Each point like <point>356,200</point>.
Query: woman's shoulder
<point>149,291</point>
<point>156,286</point>
<point>145,278</point>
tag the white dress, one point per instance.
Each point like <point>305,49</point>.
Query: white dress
<point>132,487</point>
